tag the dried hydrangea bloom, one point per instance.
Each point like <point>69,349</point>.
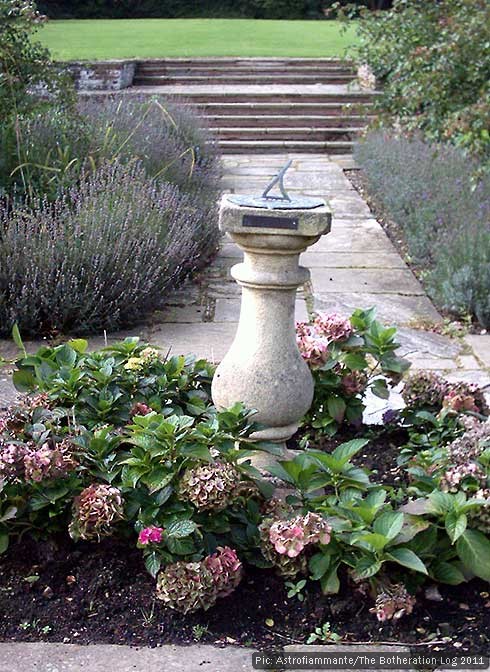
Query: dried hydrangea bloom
<point>186,587</point>
<point>393,602</point>
<point>283,541</point>
<point>210,486</point>
<point>49,462</point>
<point>354,383</point>
<point>463,397</point>
<point>284,565</point>
<point>470,445</point>
<point>480,518</point>
<point>189,586</point>
<point>333,326</point>
<point>226,569</point>
<point>140,408</point>
<point>149,354</point>
<point>12,461</point>
<point>312,346</point>
<point>275,508</point>
<point>32,401</point>
<point>247,490</point>
<point>455,476</point>
<point>424,389</point>
<point>95,511</point>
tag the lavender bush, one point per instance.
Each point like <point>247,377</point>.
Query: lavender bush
<point>429,190</point>
<point>103,254</point>
<point>58,145</point>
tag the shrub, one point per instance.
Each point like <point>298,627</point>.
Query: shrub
<point>346,357</point>
<point>429,191</point>
<point>125,470</point>
<point>25,67</point>
<point>29,83</point>
<point>284,9</point>
<point>64,266</point>
<point>434,64</point>
<point>130,474</point>
<point>58,145</point>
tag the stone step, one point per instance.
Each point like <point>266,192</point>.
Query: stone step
<point>259,68</point>
<point>285,121</point>
<point>286,134</point>
<point>245,78</point>
<point>324,109</point>
<point>281,146</point>
<point>274,97</point>
<point>249,62</point>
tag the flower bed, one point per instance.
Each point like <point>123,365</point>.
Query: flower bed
<point>116,460</point>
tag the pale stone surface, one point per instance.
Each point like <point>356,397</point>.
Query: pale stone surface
<point>432,363</point>
<point>43,657</point>
<point>369,241</point>
<point>349,207</point>
<point>205,339</point>
<point>427,343</point>
<point>387,281</point>
<point>469,362</point>
<point>480,344</point>
<point>390,308</point>
<point>352,260</point>
<point>346,649</point>
<point>263,367</point>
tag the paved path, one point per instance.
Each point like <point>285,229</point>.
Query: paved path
<point>355,265</point>
<point>41,657</point>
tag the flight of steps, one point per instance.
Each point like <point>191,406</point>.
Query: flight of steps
<point>267,105</point>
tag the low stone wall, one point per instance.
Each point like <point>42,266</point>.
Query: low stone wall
<point>102,75</point>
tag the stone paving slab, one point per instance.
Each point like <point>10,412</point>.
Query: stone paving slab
<point>480,344</point>
<point>374,281</point>
<point>345,259</point>
<point>349,650</point>
<point>42,657</point>
<point>210,340</point>
<point>245,89</point>
<point>390,308</point>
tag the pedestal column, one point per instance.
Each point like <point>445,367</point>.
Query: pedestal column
<point>263,368</point>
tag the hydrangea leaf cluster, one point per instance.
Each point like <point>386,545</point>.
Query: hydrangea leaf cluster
<point>346,356</point>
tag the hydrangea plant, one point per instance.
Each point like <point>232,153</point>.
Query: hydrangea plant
<point>346,357</point>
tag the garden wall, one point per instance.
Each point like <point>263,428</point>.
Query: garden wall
<point>102,75</point>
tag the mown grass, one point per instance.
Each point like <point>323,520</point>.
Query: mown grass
<point>100,39</point>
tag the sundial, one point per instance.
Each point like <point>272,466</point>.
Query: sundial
<point>277,202</point>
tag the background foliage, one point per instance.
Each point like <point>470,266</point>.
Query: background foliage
<point>256,9</point>
<point>433,61</point>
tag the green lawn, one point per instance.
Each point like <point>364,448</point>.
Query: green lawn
<point>126,38</point>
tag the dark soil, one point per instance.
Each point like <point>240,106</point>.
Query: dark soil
<point>101,593</point>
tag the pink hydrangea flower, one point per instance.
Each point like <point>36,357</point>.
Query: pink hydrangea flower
<point>332,326</point>
<point>150,535</point>
<point>289,537</point>
<point>312,346</point>
<point>460,402</point>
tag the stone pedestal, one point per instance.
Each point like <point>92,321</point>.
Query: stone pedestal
<point>264,368</point>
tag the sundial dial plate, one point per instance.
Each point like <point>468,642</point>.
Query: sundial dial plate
<point>282,202</point>
<point>271,203</point>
